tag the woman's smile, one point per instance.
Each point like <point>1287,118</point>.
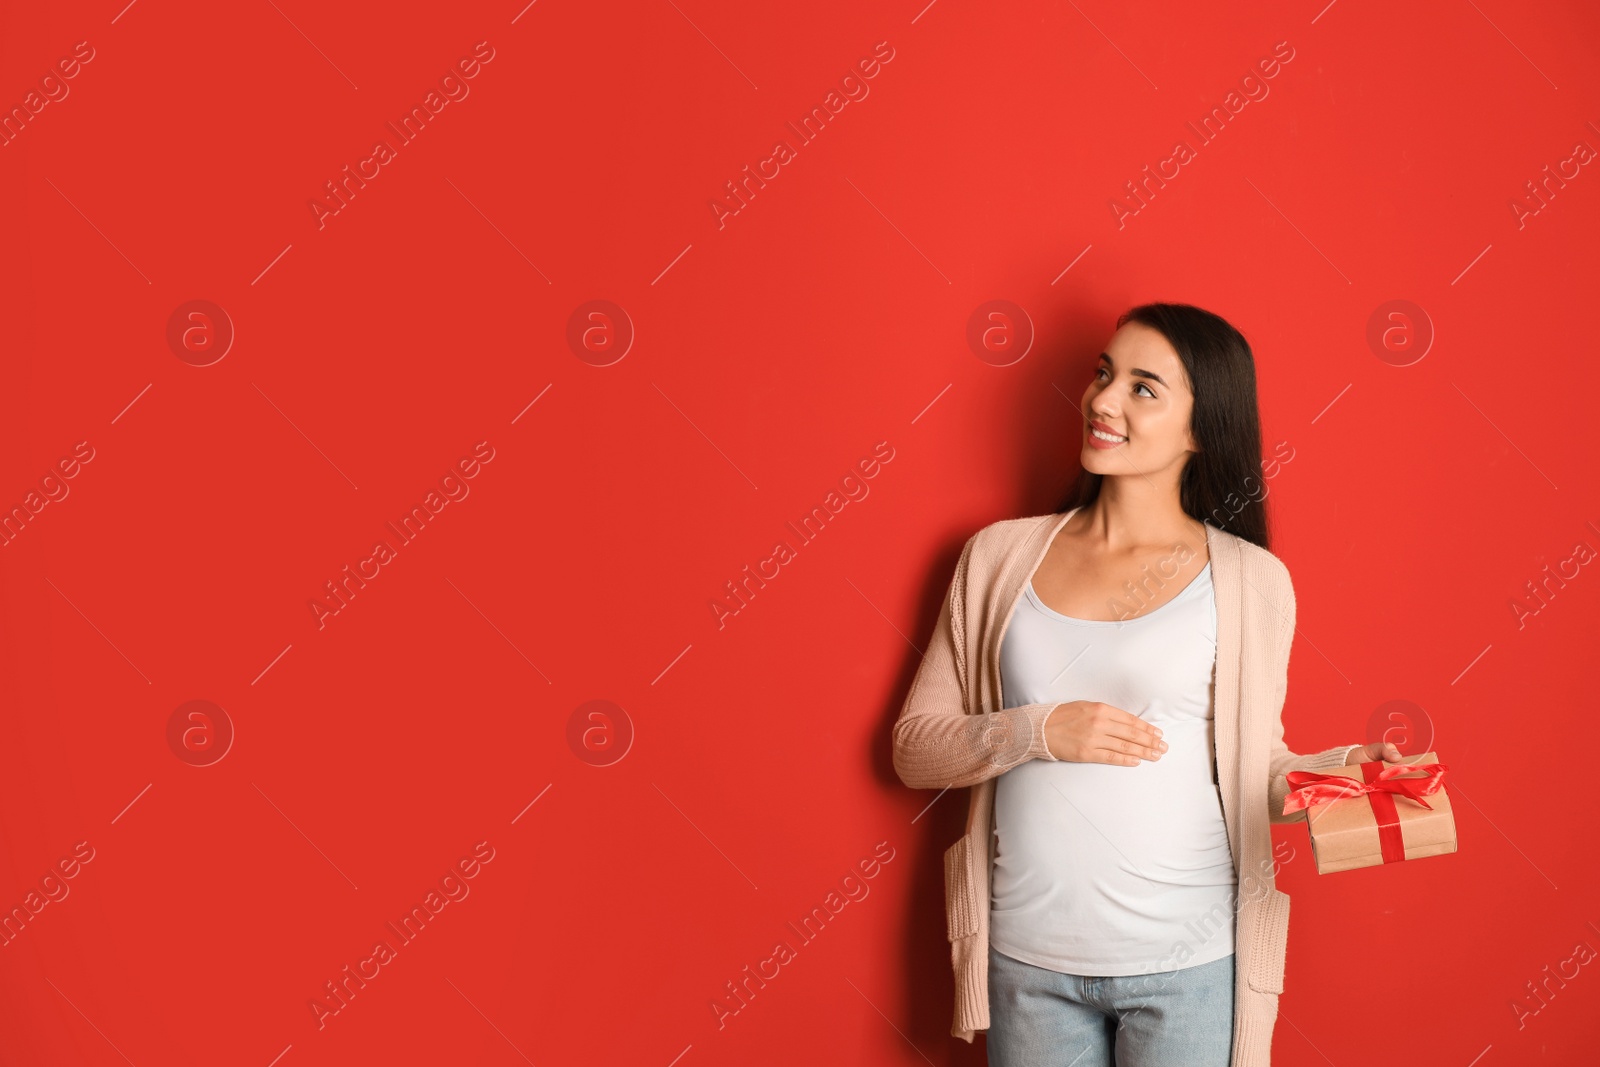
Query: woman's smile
<point>1102,436</point>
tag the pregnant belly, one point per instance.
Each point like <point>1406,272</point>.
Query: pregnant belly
<point>1160,820</point>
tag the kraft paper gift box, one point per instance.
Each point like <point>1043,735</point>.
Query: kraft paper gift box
<point>1366,814</point>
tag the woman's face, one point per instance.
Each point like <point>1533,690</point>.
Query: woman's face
<point>1139,395</point>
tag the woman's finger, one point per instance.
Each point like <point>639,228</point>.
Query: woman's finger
<point>1142,736</point>
<point>1114,756</point>
<point>1132,749</point>
<point>1130,719</point>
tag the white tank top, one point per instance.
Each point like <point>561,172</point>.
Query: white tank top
<point>1103,869</point>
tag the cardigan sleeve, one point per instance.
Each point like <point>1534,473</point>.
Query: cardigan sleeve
<point>937,743</point>
<point>1282,761</point>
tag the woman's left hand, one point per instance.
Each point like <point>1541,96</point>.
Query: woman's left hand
<point>1378,750</point>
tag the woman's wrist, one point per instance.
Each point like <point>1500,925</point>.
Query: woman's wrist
<point>1044,736</point>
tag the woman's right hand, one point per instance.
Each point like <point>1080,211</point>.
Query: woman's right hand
<point>1087,731</point>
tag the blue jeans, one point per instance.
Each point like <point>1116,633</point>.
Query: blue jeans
<point>1043,1018</point>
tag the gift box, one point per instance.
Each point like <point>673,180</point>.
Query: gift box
<point>1365,814</point>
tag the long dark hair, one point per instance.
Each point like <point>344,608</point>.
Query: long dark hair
<point>1222,483</point>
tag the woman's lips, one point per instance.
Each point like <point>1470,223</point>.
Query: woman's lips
<point>1098,442</point>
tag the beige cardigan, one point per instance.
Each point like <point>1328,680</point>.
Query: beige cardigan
<point>954,731</point>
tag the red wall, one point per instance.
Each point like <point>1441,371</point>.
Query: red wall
<point>631,864</point>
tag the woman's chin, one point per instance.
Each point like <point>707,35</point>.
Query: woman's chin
<point>1094,460</point>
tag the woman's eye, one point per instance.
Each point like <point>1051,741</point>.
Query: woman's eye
<point>1151,393</point>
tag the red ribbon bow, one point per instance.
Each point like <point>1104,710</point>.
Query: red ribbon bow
<point>1380,786</point>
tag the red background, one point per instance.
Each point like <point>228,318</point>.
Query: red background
<point>771,354</point>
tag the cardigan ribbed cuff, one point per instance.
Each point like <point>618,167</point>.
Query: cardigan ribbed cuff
<point>1278,788</point>
<point>972,985</point>
<point>1329,757</point>
<point>1041,746</point>
<point>1252,1030</point>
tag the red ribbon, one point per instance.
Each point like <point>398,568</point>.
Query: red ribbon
<point>1380,786</point>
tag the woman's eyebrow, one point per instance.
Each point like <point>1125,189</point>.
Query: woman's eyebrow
<point>1137,372</point>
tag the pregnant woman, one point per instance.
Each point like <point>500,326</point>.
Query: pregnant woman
<point>1110,681</point>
